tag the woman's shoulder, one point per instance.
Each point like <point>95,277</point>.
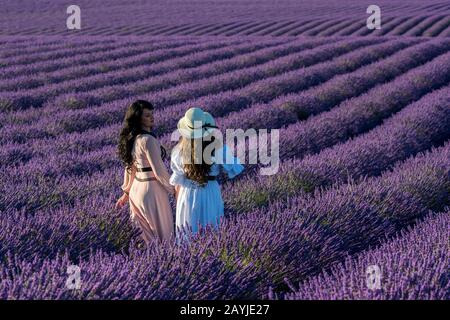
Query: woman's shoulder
<point>146,138</point>
<point>146,142</point>
<point>176,150</point>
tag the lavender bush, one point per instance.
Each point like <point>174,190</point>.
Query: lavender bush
<point>414,265</point>
<point>363,117</point>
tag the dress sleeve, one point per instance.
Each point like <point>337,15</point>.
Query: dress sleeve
<point>230,164</point>
<point>178,176</point>
<point>153,153</point>
<point>128,178</point>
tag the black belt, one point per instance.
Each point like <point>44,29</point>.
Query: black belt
<point>212,177</point>
<point>145,169</point>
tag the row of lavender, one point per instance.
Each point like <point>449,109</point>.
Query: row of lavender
<point>38,98</point>
<point>430,25</point>
<point>414,129</point>
<point>73,210</point>
<point>413,266</point>
<point>233,74</point>
<point>422,25</point>
<point>286,17</point>
<point>337,162</point>
<point>87,154</point>
<point>250,252</point>
<point>236,100</point>
<point>97,160</point>
<point>46,128</point>
<point>221,102</point>
<point>102,156</point>
<point>45,91</point>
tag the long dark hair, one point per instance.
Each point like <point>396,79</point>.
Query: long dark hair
<point>131,128</point>
<point>197,172</point>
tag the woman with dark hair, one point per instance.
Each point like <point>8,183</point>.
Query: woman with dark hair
<point>196,161</point>
<point>146,180</point>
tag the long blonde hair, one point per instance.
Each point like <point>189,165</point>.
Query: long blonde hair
<point>195,166</point>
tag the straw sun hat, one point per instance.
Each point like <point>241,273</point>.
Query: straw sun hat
<point>196,123</point>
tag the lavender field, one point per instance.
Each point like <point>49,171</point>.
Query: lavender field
<point>364,123</point>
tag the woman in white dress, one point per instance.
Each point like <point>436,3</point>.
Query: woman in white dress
<point>199,200</point>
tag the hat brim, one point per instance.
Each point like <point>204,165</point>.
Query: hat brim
<point>189,133</point>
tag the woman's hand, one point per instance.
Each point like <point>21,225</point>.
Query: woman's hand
<point>122,201</point>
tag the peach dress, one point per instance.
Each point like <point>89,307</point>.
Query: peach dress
<point>149,190</point>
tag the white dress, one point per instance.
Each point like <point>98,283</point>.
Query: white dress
<point>197,205</point>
